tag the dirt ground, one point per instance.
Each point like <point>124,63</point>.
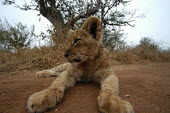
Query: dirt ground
<point>147,87</point>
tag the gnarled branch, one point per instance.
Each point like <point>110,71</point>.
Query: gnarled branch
<point>92,10</point>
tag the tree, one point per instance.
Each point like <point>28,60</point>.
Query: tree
<point>66,14</point>
<point>15,37</point>
<point>148,44</point>
<point>113,38</point>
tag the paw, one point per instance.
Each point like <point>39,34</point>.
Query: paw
<point>125,107</point>
<point>114,104</point>
<point>41,101</point>
<point>44,73</point>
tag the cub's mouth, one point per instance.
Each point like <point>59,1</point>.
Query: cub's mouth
<point>70,57</point>
<point>74,60</point>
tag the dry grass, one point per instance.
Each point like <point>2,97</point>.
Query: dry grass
<point>36,58</point>
<point>138,55</point>
<point>48,57</point>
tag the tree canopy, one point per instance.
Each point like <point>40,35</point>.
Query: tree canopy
<point>66,14</point>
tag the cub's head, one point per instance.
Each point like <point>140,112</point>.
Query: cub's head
<point>83,44</point>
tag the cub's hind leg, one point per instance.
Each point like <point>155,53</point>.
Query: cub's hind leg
<point>54,72</point>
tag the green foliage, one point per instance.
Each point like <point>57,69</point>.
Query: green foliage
<point>112,39</point>
<point>15,37</point>
<point>148,43</point>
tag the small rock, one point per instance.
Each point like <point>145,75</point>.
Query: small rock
<point>3,93</point>
<point>127,95</point>
<point>56,109</point>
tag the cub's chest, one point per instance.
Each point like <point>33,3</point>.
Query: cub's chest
<point>88,69</point>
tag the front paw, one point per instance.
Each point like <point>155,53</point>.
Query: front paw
<point>44,74</point>
<point>41,101</point>
<point>114,104</point>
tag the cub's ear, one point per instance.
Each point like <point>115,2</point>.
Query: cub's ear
<point>93,26</point>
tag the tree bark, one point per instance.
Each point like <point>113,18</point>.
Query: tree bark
<point>52,14</point>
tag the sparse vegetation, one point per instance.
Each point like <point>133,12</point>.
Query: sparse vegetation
<point>18,38</point>
<point>146,51</point>
<point>47,57</point>
<point>36,58</point>
<point>14,37</point>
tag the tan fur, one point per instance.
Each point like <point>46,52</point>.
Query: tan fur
<point>88,60</point>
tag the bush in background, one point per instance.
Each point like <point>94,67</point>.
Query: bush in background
<point>147,51</point>
<point>14,37</point>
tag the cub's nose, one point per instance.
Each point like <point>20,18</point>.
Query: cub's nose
<point>67,53</point>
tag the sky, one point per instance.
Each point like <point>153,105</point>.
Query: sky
<point>155,25</point>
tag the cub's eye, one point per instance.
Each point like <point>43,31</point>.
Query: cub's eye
<point>76,40</point>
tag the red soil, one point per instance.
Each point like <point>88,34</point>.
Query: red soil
<point>146,87</point>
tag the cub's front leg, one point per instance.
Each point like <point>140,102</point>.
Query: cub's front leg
<point>109,100</point>
<point>46,73</point>
<point>41,101</point>
<point>52,72</point>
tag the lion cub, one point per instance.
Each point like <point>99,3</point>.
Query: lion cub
<point>87,59</point>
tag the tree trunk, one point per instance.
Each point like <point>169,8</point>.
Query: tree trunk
<point>52,14</point>
<point>55,17</point>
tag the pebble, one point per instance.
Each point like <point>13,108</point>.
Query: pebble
<point>3,93</point>
<point>127,95</point>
